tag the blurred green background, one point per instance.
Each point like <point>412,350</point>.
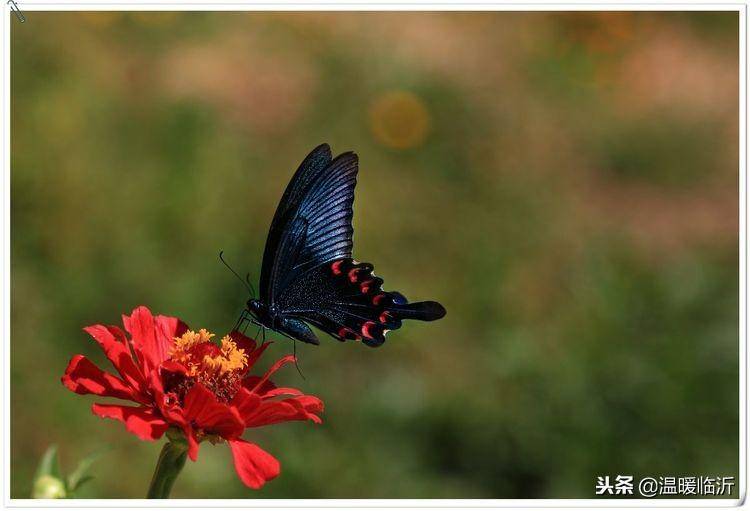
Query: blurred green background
<point>565,184</point>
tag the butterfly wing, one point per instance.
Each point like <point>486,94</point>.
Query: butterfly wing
<point>313,222</point>
<point>345,299</point>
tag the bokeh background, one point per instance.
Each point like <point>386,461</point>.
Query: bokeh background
<point>566,184</point>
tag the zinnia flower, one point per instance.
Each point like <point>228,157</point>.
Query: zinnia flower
<point>182,379</point>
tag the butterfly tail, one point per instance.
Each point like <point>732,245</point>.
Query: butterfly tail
<point>423,311</point>
<point>361,309</point>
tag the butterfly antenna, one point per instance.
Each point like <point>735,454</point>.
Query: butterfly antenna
<point>249,287</point>
<point>295,360</point>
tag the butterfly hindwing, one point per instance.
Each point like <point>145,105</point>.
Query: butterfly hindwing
<point>345,299</point>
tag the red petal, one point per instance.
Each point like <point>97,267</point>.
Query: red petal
<point>152,336</point>
<point>176,416</point>
<point>254,355</point>
<point>140,325</point>
<point>202,408</point>
<point>286,360</point>
<point>193,444</point>
<point>113,343</point>
<point>251,382</point>
<point>292,409</point>
<point>243,342</point>
<point>156,387</point>
<point>245,402</point>
<point>254,465</point>
<point>172,412</point>
<point>138,420</point>
<point>83,377</point>
<point>268,389</point>
<point>281,391</point>
<point>171,366</point>
<point>311,404</point>
<point>167,328</point>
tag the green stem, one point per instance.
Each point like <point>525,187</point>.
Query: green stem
<point>169,466</point>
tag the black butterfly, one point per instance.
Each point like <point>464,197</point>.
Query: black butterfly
<point>308,274</point>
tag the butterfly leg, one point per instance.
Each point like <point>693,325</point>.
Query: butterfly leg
<point>296,362</point>
<point>240,321</point>
<point>237,323</point>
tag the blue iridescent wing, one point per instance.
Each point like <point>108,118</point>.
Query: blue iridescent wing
<point>313,222</point>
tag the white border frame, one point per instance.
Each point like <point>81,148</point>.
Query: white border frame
<point>334,5</point>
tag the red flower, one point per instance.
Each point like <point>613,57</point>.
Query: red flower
<point>181,378</point>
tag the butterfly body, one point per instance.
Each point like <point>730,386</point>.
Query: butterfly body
<point>308,274</point>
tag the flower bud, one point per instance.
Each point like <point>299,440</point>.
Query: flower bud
<point>48,487</point>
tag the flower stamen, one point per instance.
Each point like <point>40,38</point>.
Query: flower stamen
<point>217,367</point>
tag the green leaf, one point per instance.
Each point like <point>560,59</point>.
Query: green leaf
<point>49,464</point>
<point>78,485</point>
<point>80,475</point>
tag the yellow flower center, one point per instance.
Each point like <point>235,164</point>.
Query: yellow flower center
<point>202,357</point>
<point>230,359</point>
<point>218,367</point>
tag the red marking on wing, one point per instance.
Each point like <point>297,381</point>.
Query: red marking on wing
<point>378,298</point>
<point>353,275</point>
<point>346,333</point>
<point>336,267</point>
<point>384,317</point>
<point>366,326</point>
<point>364,287</point>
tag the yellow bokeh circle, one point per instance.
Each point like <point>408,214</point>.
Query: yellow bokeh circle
<point>399,119</point>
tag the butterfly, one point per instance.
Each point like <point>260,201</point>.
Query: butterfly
<point>308,274</point>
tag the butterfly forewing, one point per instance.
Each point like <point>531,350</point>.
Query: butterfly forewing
<point>313,165</point>
<point>313,222</point>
